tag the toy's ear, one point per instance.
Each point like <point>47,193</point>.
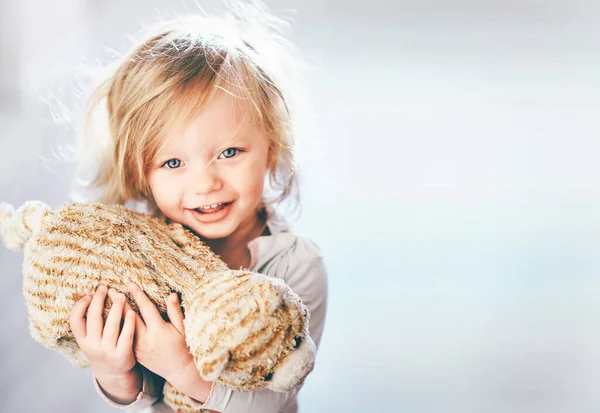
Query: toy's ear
<point>271,293</point>
<point>211,367</point>
<point>17,226</point>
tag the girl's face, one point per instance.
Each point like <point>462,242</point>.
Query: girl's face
<point>210,177</point>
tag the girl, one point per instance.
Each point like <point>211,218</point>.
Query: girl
<point>197,119</point>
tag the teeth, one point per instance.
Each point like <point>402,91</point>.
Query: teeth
<point>211,206</point>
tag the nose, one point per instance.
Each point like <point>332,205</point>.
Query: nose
<point>206,180</point>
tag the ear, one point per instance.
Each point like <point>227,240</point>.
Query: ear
<point>270,292</point>
<point>211,367</point>
<point>272,156</point>
<point>16,227</point>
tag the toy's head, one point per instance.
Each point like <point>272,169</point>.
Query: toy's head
<point>256,337</point>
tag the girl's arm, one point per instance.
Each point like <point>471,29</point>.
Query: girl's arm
<point>151,390</point>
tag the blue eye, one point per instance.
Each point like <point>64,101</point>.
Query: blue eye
<point>229,153</point>
<point>173,163</point>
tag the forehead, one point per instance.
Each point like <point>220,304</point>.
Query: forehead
<point>225,117</point>
<point>225,110</point>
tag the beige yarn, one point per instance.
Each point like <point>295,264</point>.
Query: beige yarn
<point>245,330</point>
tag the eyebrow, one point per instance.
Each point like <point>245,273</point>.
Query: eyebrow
<point>234,141</point>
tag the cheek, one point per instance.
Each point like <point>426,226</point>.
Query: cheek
<point>163,189</point>
<point>250,180</point>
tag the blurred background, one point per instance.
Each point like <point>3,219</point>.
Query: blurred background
<point>450,176</point>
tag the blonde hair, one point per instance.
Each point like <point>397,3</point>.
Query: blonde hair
<point>169,77</point>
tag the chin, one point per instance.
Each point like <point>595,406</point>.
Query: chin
<point>214,233</point>
<point>213,236</point>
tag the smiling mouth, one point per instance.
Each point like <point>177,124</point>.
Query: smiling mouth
<point>211,209</point>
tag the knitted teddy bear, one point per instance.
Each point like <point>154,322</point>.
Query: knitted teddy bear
<point>245,330</point>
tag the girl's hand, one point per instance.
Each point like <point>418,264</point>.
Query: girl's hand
<point>160,345</point>
<point>107,346</point>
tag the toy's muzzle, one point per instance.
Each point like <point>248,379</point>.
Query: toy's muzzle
<point>295,368</point>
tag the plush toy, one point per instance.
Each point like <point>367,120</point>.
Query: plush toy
<point>245,330</point>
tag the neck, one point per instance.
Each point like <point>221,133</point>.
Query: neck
<point>233,250</point>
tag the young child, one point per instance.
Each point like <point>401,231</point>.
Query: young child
<point>198,119</point>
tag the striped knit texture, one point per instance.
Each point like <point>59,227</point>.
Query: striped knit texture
<point>241,327</point>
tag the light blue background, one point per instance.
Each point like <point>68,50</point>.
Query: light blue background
<point>450,176</point>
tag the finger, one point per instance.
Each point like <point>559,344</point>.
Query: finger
<point>95,322</point>
<point>128,307</point>
<point>140,326</point>
<point>112,327</point>
<point>148,310</point>
<point>174,312</point>
<point>125,342</point>
<point>138,322</point>
<point>77,318</point>
<point>113,294</point>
